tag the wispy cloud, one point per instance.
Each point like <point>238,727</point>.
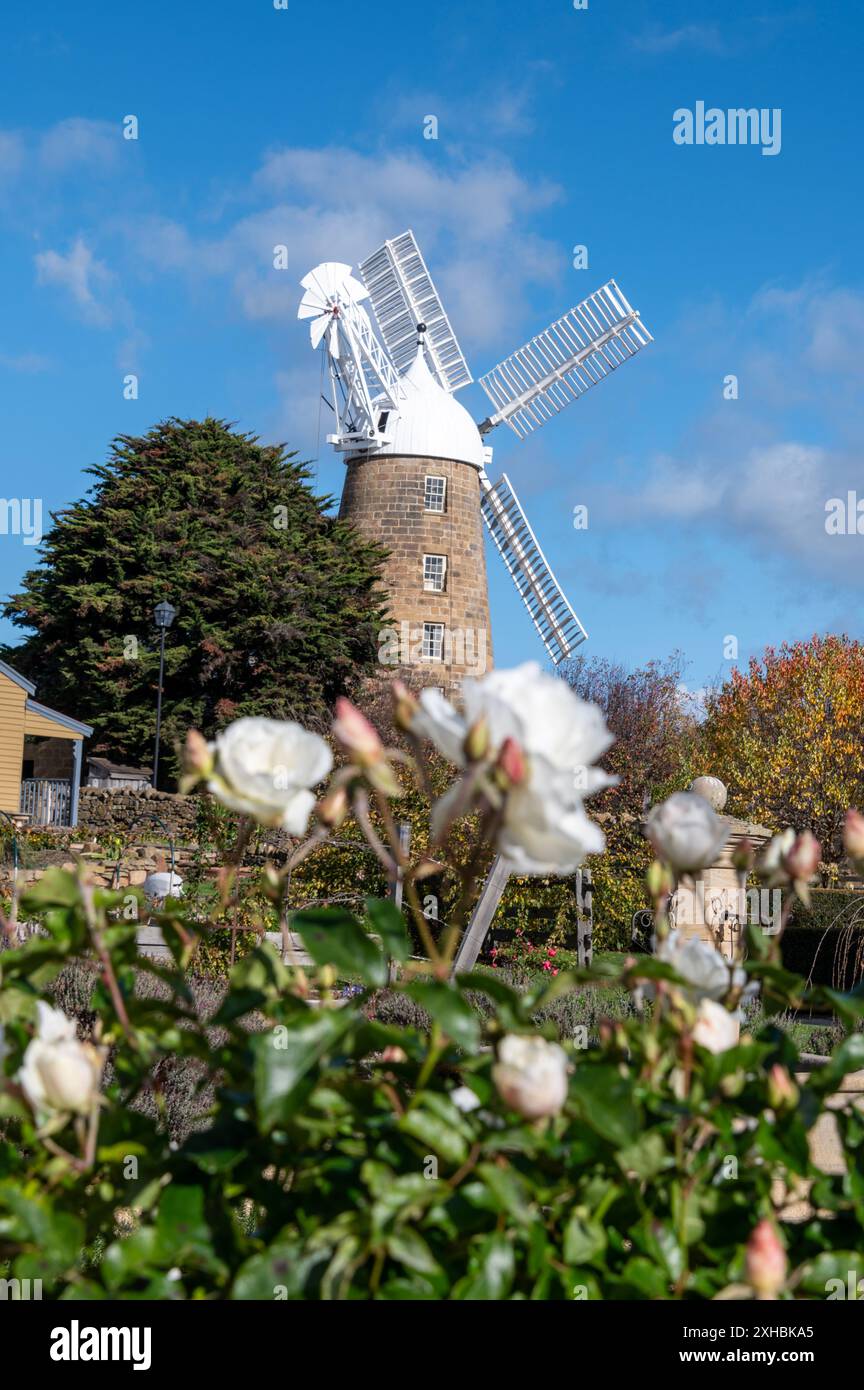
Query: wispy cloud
<point>83,278</point>
<point>742,475</point>
<point>27,362</point>
<point>78,142</point>
<point>471,217</point>
<point>705,38</point>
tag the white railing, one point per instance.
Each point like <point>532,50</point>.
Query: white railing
<point>46,800</point>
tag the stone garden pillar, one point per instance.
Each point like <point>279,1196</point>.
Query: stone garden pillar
<point>711,904</point>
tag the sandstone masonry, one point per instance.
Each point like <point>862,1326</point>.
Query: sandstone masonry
<point>440,636</point>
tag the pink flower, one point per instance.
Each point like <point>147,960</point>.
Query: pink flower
<point>765,1260</point>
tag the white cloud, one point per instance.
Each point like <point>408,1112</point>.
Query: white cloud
<point>706,38</point>
<point>76,141</point>
<point>24,362</point>
<point>81,276</point>
<point>338,204</point>
<point>11,153</point>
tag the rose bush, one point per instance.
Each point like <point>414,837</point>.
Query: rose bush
<point>476,1158</point>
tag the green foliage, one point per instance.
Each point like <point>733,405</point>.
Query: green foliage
<point>334,1162</point>
<point>277,603</point>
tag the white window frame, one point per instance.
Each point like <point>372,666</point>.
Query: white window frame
<point>430,586</point>
<point>428,493</point>
<point>436,652</point>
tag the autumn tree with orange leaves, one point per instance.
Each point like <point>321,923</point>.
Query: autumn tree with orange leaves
<point>787,737</point>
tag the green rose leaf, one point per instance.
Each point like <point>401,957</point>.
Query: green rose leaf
<point>285,1056</point>
<point>447,1007</point>
<point>605,1101</point>
<point>387,922</point>
<point>334,937</point>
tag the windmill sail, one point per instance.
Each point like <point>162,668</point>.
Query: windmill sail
<point>403,294</point>
<point>564,361</point>
<point>559,628</point>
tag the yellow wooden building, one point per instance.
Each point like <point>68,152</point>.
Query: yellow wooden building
<point>40,755</point>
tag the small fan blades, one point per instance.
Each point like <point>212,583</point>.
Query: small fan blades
<point>329,288</point>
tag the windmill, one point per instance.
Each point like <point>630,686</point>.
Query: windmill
<point>417,479</point>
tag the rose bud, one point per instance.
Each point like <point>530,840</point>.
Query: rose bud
<point>511,763</point>
<point>743,856</point>
<point>802,861</point>
<point>659,880</point>
<point>477,741</point>
<point>405,707</point>
<point>355,733</point>
<point>853,837</point>
<point>765,1261</point>
<point>772,865</point>
<point>360,738</point>
<point>333,808</point>
<point>782,1092</point>
<point>197,760</point>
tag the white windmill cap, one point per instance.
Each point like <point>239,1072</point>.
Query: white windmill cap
<point>431,423</point>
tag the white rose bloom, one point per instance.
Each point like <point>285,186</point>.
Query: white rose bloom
<point>686,833</point>
<point>716,1028</point>
<point>706,971</point>
<point>560,737</point>
<point>465,1099</point>
<point>266,767</point>
<point>531,1075</point>
<point>59,1073</point>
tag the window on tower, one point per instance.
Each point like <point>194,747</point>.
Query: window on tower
<point>435,493</point>
<point>434,571</point>
<point>433,641</point>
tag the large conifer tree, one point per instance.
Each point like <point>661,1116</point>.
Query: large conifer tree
<point>278,604</point>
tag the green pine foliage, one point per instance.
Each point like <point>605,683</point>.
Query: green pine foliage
<point>278,604</point>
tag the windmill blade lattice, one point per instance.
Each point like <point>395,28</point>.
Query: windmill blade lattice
<point>564,361</point>
<point>403,294</point>
<point>558,626</point>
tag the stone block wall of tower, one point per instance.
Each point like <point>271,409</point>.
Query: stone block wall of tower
<point>439,635</point>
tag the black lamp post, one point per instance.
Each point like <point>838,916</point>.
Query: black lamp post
<point>163,617</point>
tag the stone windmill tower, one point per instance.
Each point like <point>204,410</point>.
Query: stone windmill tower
<point>416,461</point>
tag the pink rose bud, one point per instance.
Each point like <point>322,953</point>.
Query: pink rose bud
<point>333,808</point>
<point>765,1260</point>
<point>511,761</point>
<point>853,836</point>
<point>355,733</point>
<point>405,707</point>
<point>802,861</point>
<point>197,753</point>
<point>782,1092</point>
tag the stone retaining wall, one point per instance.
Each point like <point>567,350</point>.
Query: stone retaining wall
<point>125,812</point>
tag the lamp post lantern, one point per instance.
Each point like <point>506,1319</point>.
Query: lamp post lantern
<point>163,617</point>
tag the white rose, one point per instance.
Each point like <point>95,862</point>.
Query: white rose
<point>531,1075</point>
<point>465,1099</point>
<point>265,768</point>
<point>558,739</point>
<point>686,833</point>
<point>59,1073</point>
<point>708,973</point>
<point>715,1028</point>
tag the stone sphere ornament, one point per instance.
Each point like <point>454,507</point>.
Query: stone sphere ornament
<point>712,790</point>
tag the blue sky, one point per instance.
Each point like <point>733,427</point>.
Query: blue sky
<point>304,126</point>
